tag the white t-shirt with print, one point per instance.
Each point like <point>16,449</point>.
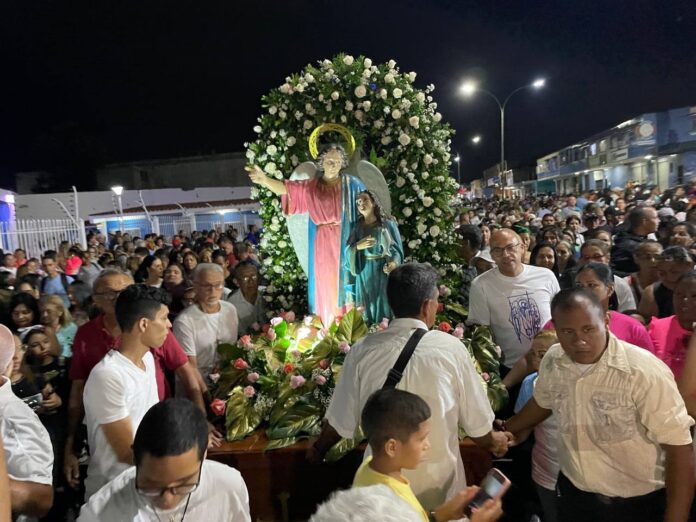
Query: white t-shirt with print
<point>515,308</point>
<point>116,389</point>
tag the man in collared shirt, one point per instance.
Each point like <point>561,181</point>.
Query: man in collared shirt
<point>440,371</point>
<point>624,433</point>
<point>28,451</point>
<point>247,300</point>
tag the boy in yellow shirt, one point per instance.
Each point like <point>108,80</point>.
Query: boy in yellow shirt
<point>397,425</point>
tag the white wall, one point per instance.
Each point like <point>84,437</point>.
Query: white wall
<point>42,206</point>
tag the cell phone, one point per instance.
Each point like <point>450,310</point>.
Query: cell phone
<point>494,486</point>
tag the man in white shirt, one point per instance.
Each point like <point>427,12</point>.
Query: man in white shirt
<point>513,298</point>
<point>624,442</point>
<point>440,371</point>
<point>123,386</point>
<point>200,328</point>
<point>247,300</point>
<point>171,479</point>
<point>28,452</point>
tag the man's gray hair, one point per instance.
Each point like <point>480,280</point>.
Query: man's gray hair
<point>366,504</point>
<point>206,267</point>
<point>110,272</point>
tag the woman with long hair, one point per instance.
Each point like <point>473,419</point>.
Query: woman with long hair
<point>565,256</point>
<point>150,271</point>
<point>544,255</point>
<point>58,323</point>
<point>24,312</point>
<point>176,284</point>
<point>190,262</point>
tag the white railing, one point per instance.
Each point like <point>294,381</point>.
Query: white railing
<point>38,235</point>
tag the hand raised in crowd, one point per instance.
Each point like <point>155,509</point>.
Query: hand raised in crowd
<point>453,509</point>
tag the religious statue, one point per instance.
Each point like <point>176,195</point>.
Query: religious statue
<point>319,201</point>
<point>374,249</point>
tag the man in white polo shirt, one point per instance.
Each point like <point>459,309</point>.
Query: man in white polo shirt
<point>122,387</point>
<point>28,451</point>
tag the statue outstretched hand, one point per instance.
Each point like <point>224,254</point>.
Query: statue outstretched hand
<point>257,176</point>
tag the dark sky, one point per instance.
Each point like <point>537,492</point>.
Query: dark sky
<point>85,83</point>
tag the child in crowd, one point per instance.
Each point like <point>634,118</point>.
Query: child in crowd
<point>397,425</point>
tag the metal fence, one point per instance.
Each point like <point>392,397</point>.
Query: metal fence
<point>38,235</point>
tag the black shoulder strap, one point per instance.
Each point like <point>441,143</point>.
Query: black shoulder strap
<point>395,374</point>
<point>64,281</point>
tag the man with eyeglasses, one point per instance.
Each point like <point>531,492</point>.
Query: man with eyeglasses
<point>514,299</point>
<point>200,328</point>
<point>247,299</point>
<point>171,479</point>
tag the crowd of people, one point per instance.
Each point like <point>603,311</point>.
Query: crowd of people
<point>107,354</point>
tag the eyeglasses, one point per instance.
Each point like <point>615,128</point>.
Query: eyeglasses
<point>509,249</point>
<point>216,286</point>
<point>184,489</point>
<point>246,279</point>
<point>109,295</point>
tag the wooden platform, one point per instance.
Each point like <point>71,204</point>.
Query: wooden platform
<point>283,486</point>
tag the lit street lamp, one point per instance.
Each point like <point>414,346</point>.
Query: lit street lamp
<point>458,161</point>
<point>469,88</point>
<point>118,190</point>
<point>476,139</point>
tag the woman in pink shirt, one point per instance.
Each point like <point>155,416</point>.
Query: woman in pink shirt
<point>671,335</point>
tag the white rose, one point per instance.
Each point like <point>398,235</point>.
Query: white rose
<point>386,140</point>
<point>434,231</point>
<point>309,78</point>
<point>348,60</point>
<point>400,182</point>
<point>414,121</point>
<point>366,73</point>
<point>383,93</point>
<point>298,115</point>
<point>419,142</point>
<point>359,115</point>
<point>437,212</point>
<point>397,93</point>
<point>396,114</point>
<point>291,141</point>
<point>282,244</point>
<point>360,91</point>
<point>411,244</point>
<point>421,193</point>
<point>388,78</point>
<point>257,129</point>
<point>334,95</point>
<point>349,106</point>
<point>270,167</point>
<point>366,106</point>
<point>274,228</point>
<point>285,88</point>
<point>425,175</point>
<point>427,201</point>
<point>437,116</point>
<point>404,139</point>
<point>421,227</point>
<point>272,109</point>
<point>320,97</point>
<point>271,150</point>
<point>367,62</point>
<point>391,64</point>
<point>307,125</point>
<point>343,118</point>
<point>407,211</point>
<point>427,159</point>
<point>250,154</point>
<point>378,124</point>
<point>412,76</point>
<point>299,87</point>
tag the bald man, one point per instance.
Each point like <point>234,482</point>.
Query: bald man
<point>28,452</point>
<point>514,299</point>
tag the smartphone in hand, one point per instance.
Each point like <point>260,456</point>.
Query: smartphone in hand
<point>493,487</point>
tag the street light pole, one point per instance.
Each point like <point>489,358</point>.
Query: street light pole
<point>118,190</point>
<point>458,160</point>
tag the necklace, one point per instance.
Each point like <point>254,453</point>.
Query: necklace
<point>172,517</point>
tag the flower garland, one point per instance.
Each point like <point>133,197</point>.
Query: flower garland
<point>393,121</point>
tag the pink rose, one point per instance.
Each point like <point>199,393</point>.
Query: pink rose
<point>458,332</point>
<point>271,334</point>
<point>256,327</point>
<point>384,324</point>
<point>344,347</point>
<point>249,392</point>
<point>276,321</point>
<point>253,377</point>
<point>217,407</point>
<point>296,381</point>
<point>241,364</point>
<point>295,353</point>
<point>290,317</point>
<point>245,341</point>
<point>320,380</point>
<point>324,364</point>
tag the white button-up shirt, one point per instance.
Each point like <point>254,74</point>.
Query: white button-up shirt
<point>28,450</point>
<point>613,419</point>
<point>441,372</point>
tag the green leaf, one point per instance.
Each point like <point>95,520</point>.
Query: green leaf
<point>229,378</point>
<point>343,447</point>
<point>230,352</point>
<point>241,419</point>
<point>352,326</point>
<point>281,329</point>
<point>280,443</point>
<point>323,350</point>
<point>302,417</point>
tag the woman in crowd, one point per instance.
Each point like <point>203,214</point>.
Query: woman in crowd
<point>646,256</point>
<point>150,272</point>
<point>526,237</point>
<point>29,284</point>
<point>574,224</point>
<point>176,284</point>
<point>550,234</point>
<point>80,295</point>
<point>602,234</point>
<point>565,256</point>
<point>544,255</point>
<point>58,323</point>
<point>190,262</point>
<point>598,278</point>
<point>657,298</point>
<point>24,312</point>
<point>671,335</point>
<point>485,237</point>
<point>682,234</point>
<point>205,255</point>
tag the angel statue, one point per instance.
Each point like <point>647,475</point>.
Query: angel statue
<point>319,201</point>
<point>373,250</point>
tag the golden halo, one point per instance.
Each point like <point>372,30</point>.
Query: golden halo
<point>331,127</point>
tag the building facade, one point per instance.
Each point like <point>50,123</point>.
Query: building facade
<point>657,148</point>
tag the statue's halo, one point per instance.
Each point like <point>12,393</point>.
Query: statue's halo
<point>331,127</point>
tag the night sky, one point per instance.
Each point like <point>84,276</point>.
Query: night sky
<point>88,83</point>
